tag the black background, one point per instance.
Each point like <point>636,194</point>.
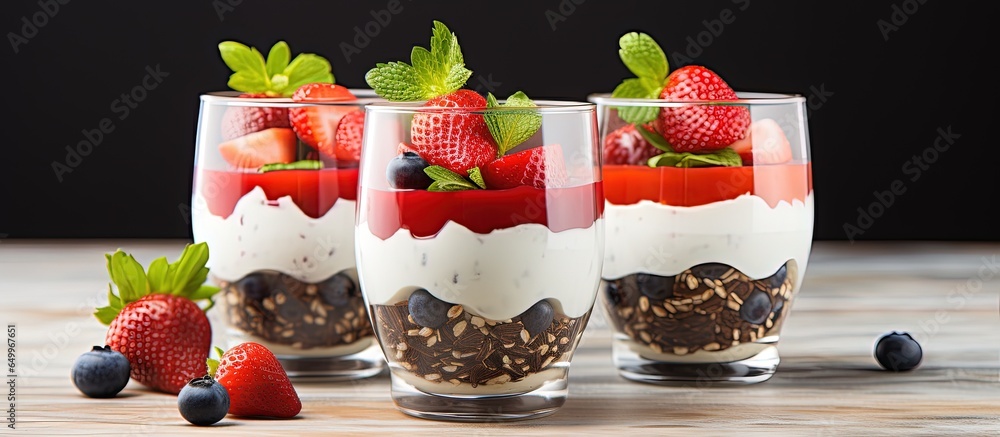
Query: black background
<point>878,96</point>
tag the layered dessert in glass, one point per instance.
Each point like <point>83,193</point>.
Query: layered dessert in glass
<point>709,221</point>
<point>479,241</point>
<point>274,196</point>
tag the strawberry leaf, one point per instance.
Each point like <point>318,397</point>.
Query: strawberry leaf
<point>431,72</point>
<point>188,269</point>
<point>128,275</point>
<point>476,175</point>
<point>511,127</point>
<point>212,364</point>
<point>307,68</point>
<point>156,274</point>
<point>277,58</point>
<point>108,313</point>
<point>447,180</point>
<point>725,157</point>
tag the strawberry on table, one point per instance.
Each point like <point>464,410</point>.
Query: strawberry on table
<point>257,384</point>
<point>155,321</point>
<point>317,125</point>
<point>269,146</point>
<point>260,78</point>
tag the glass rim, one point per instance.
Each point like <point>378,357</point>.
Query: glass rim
<point>365,96</point>
<point>541,106</point>
<point>746,98</point>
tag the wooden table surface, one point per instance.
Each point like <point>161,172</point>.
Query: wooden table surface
<point>828,383</point>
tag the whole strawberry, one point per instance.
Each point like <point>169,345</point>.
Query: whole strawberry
<point>257,384</point>
<point>459,140</point>
<point>154,320</point>
<point>626,146</point>
<point>238,121</point>
<point>701,128</point>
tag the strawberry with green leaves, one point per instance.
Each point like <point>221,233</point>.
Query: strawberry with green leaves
<point>257,384</point>
<point>472,133</point>
<point>703,130</point>
<point>155,320</point>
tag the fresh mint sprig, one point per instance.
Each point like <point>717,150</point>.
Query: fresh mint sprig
<point>447,180</point>
<point>431,73</point>
<point>644,58</point>
<point>305,164</point>
<point>277,76</point>
<point>511,127</point>
<point>669,158</point>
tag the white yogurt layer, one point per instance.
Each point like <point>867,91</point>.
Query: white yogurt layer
<point>262,234</point>
<point>745,233</point>
<point>497,275</point>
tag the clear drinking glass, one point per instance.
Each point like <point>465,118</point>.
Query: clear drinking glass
<point>702,263</point>
<point>479,297</point>
<point>282,240</point>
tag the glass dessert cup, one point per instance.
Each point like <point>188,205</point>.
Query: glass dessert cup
<point>282,241</point>
<point>702,264</point>
<point>479,297</point>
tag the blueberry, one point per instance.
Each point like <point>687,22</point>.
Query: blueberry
<point>778,306</point>
<point>428,310</point>
<point>538,318</point>
<point>898,351</point>
<point>613,290</point>
<point>101,372</point>
<point>710,270</point>
<point>254,287</point>
<point>655,287</point>
<point>756,307</point>
<point>406,171</point>
<point>778,277</point>
<point>203,401</point>
<point>337,290</point>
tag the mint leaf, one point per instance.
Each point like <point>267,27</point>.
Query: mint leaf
<point>277,58</point>
<point>637,88</point>
<point>307,68</point>
<point>447,180</point>
<point>396,82</point>
<point>477,176</point>
<point>511,127</point>
<point>721,158</point>
<point>249,70</point>
<point>431,72</point>
<point>654,138</point>
<point>643,56</point>
<point>305,164</point>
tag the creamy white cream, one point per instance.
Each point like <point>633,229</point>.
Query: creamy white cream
<point>497,275</point>
<point>745,233</point>
<point>275,235</point>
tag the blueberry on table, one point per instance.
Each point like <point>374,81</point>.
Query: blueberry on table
<point>428,310</point>
<point>538,318</point>
<point>101,372</point>
<point>898,352</point>
<point>406,171</point>
<point>756,307</point>
<point>203,401</point>
<point>655,287</point>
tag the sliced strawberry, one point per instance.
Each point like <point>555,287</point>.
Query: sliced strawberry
<point>539,167</point>
<point>268,146</point>
<point>347,146</point>
<point>625,146</point>
<point>456,139</point>
<point>241,120</point>
<point>317,125</point>
<point>700,128</point>
<point>765,144</point>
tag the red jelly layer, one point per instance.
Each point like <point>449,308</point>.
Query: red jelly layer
<point>314,191</point>
<point>629,184</point>
<point>424,213</point>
